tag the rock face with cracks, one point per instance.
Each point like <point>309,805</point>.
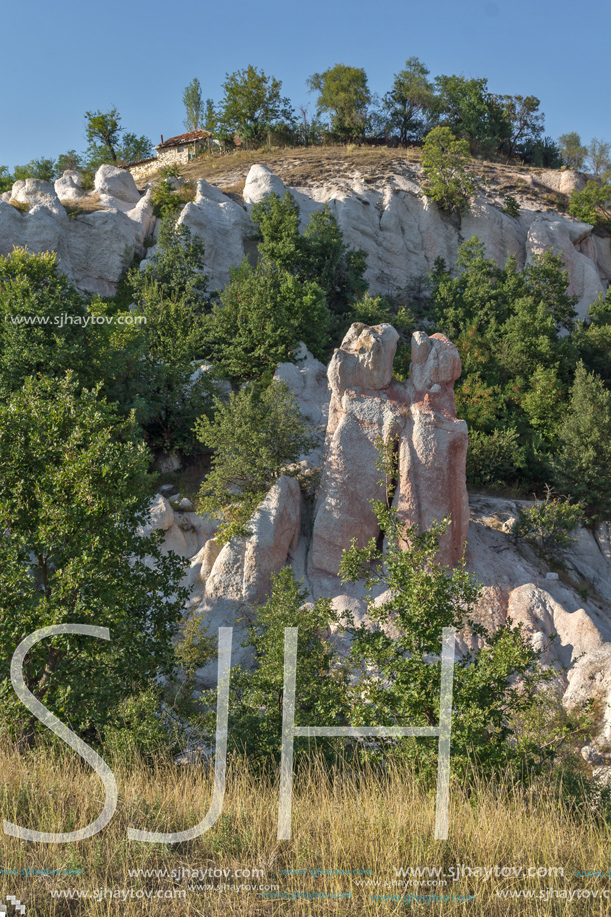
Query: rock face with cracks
<point>419,417</point>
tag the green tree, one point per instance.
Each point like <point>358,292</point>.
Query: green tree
<point>410,100</point>
<point>581,467</point>
<point>252,105</point>
<point>194,106</point>
<point>592,338</point>
<point>255,724</point>
<point>399,657</point>
<point>263,315</point>
<point>45,324</point>
<point>572,150</point>
<point>343,96</point>
<point>73,499</point>
<point>444,161</point>
<point>255,436</point>
<point>318,255</point>
<point>599,156</point>
<point>42,168</point>
<point>110,143</point>
<point>150,365</point>
<point>472,112</point>
<point>593,203</point>
<point>6,179</point>
<point>548,524</point>
<point>525,121</point>
<point>69,161</point>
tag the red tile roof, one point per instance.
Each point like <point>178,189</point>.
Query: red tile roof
<point>183,138</point>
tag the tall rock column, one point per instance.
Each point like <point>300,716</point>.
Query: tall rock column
<point>433,447</point>
<point>364,407</point>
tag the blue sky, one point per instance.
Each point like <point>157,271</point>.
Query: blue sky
<point>58,60</point>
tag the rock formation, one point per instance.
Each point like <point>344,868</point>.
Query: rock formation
<point>420,417</point>
<point>401,231</point>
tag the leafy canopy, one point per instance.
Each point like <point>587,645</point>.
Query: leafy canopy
<point>256,435</point>
<point>73,499</point>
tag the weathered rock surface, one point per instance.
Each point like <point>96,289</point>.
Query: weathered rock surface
<point>433,447</point>
<point>70,186</point>
<point>366,407</point>
<point>112,182</point>
<point>94,249</point>
<point>241,573</point>
<point>401,230</point>
<point>224,227</point>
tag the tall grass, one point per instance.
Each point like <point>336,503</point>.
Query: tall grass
<point>350,821</point>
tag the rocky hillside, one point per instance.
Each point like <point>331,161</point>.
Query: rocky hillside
<point>376,196</point>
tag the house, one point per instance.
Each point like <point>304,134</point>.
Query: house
<point>180,149</point>
<point>183,147</point>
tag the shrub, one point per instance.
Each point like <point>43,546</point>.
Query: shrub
<point>398,659</point>
<point>444,162</point>
<point>548,524</point>
<point>493,458</point>
<point>511,206</point>
<point>593,203</point>
<point>255,435</point>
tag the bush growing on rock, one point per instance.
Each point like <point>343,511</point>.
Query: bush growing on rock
<point>593,204</point>
<point>263,315</point>
<point>444,160</point>
<point>399,658</point>
<point>256,436</point>
<point>548,524</point>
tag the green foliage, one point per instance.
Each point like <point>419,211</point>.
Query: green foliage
<point>572,150</point>
<point>73,498</point>
<point>263,315</point>
<point>493,458</point>
<point>343,96</point>
<point>511,206</point>
<point>593,203</point>
<point>318,255</point>
<point>70,161</point>
<point>444,161</point>
<point>150,365</point>
<point>525,121</point>
<point>408,104</point>
<point>42,168</point>
<point>472,113</point>
<point>176,269</point>
<point>592,338</point>
<point>255,720</point>
<point>399,658</point>
<point>599,156</point>
<point>167,204</point>
<point>42,322</point>
<point>111,143</point>
<point>581,466</point>
<point>517,365</point>
<point>138,731</point>
<point>256,436</point>
<point>6,179</point>
<point>548,524</point>
<point>543,152</point>
<point>252,105</point>
<point>194,106</point>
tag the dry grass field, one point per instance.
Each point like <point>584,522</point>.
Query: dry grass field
<point>352,836</point>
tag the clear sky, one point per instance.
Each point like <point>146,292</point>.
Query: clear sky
<point>58,60</point>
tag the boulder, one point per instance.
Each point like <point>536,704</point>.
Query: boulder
<point>36,192</point>
<point>70,186</point>
<point>225,228</point>
<point>112,182</point>
<point>241,573</point>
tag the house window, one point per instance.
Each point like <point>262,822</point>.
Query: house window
<point>181,149</point>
